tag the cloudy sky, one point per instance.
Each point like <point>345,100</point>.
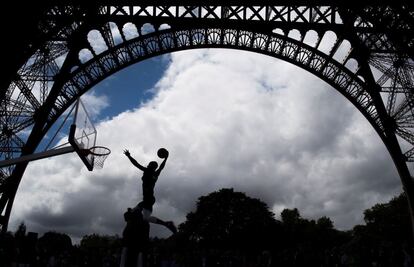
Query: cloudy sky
<point>229,119</point>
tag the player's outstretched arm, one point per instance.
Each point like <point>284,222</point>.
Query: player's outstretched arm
<point>133,161</point>
<point>162,165</point>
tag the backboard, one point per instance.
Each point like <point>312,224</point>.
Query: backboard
<point>82,134</point>
<point>82,139</point>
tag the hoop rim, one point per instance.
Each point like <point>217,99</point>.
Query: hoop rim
<point>91,151</point>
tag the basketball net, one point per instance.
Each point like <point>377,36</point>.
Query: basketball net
<point>99,153</point>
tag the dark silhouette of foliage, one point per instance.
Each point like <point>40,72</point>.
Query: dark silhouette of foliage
<point>21,230</point>
<point>94,241</point>
<point>229,228</point>
<point>7,248</point>
<point>54,242</point>
<point>325,223</point>
<point>390,221</point>
<point>387,235</point>
<point>229,219</point>
<point>301,232</point>
<point>290,217</point>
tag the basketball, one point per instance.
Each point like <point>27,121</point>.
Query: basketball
<point>162,153</point>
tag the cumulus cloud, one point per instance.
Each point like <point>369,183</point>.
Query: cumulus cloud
<point>229,119</point>
<point>95,103</point>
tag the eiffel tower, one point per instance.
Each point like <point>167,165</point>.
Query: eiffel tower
<point>50,61</point>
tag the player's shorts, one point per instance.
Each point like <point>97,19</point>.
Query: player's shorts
<point>147,203</point>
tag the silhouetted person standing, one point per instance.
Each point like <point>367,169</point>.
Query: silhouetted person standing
<point>135,239</point>
<point>149,178</point>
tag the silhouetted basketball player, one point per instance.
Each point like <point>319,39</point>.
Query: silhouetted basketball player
<point>149,178</point>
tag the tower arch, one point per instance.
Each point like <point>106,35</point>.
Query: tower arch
<point>80,45</point>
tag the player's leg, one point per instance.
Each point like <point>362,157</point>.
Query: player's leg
<point>147,216</point>
<point>123,257</point>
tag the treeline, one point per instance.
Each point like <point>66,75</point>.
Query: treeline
<point>241,231</point>
<point>229,228</point>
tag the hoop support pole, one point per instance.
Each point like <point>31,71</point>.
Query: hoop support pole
<point>36,156</point>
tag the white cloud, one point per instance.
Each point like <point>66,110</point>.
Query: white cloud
<point>94,103</point>
<point>229,119</point>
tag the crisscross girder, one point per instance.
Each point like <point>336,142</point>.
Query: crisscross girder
<point>62,28</point>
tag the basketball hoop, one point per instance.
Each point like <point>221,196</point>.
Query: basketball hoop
<point>99,154</point>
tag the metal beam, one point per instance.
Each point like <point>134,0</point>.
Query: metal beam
<point>36,156</point>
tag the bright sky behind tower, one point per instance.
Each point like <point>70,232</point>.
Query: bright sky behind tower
<point>229,119</point>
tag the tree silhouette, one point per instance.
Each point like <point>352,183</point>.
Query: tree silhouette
<point>54,242</point>
<point>325,223</point>
<point>99,241</point>
<point>290,216</point>
<point>229,219</point>
<point>390,220</point>
<point>229,228</point>
<point>385,235</point>
<point>21,230</point>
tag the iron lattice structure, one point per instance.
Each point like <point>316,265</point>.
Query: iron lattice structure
<point>70,46</point>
